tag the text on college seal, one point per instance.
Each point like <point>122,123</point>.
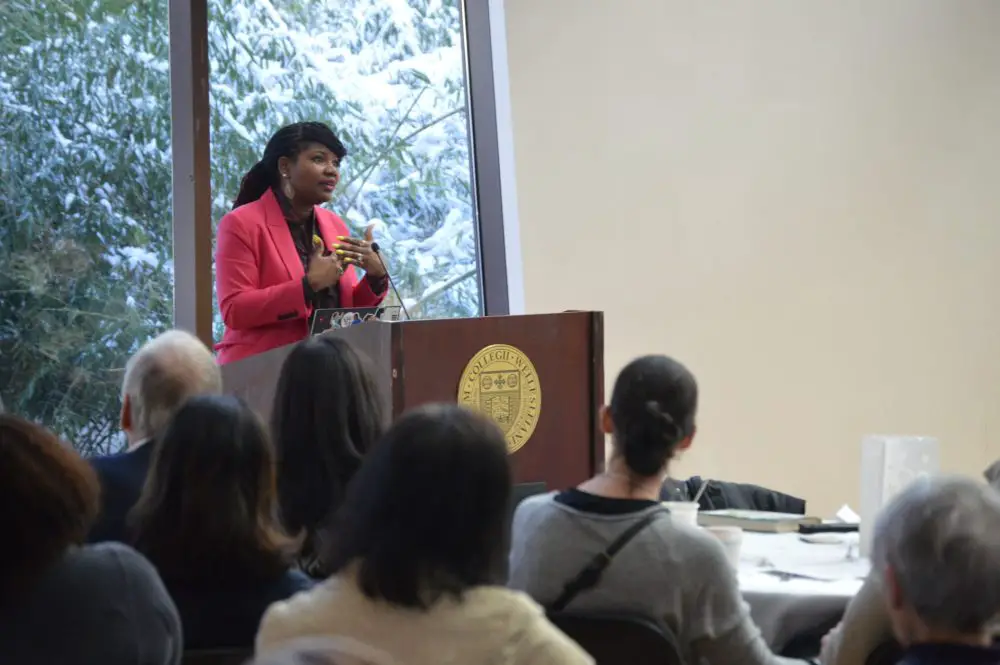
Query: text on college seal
<point>501,383</point>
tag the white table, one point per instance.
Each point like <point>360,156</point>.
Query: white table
<point>820,581</point>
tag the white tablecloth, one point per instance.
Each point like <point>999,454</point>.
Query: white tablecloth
<point>819,580</point>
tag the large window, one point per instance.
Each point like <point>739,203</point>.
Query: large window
<point>388,77</point>
<point>88,144</point>
<point>86,272</point>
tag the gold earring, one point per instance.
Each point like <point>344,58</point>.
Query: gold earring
<point>286,187</point>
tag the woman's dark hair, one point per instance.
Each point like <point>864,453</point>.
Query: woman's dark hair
<point>49,496</point>
<point>288,141</point>
<point>327,414</point>
<point>426,516</point>
<point>207,511</point>
<point>653,407</point>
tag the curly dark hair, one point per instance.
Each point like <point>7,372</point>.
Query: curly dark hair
<point>51,499</point>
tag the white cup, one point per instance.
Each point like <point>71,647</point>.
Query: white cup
<point>685,512</point>
<point>731,538</point>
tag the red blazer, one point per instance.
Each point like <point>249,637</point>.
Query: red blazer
<point>258,279</point>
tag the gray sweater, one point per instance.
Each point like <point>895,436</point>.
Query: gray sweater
<point>98,605</point>
<point>671,572</point>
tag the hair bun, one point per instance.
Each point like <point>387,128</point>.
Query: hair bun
<point>671,430</point>
<point>652,409</point>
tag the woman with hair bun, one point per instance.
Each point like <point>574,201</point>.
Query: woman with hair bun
<point>669,571</point>
<point>280,256</point>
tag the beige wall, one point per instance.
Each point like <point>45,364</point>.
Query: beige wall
<point>800,200</point>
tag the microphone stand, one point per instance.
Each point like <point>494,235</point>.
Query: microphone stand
<point>392,283</point>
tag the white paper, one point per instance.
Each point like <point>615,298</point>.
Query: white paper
<point>831,571</point>
<point>847,516</point>
<point>832,559</point>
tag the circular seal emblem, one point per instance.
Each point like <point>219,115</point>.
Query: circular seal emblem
<point>501,383</point>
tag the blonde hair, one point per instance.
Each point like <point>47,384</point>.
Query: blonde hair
<point>162,375</point>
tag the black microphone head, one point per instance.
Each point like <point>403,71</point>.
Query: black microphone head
<point>375,247</point>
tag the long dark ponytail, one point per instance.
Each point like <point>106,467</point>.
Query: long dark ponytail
<point>653,407</point>
<point>286,142</point>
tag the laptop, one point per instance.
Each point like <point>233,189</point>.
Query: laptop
<point>334,318</point>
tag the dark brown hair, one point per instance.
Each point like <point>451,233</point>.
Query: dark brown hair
<point>327,415</point>
<point>208,511</point>
<point>653,408</point>
<point>425,517</point>
<point>49,496</point>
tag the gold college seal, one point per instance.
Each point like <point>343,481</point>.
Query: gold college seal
<point>502,384</point>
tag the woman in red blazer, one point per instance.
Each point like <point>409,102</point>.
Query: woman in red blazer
<point>279,256</point>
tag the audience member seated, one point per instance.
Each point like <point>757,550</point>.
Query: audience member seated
<point>327,414</point>
<point>207,521</point>
<point>866,623</point>
<point>671,572</point>
<point>62,603</point>
<point>419,552</point>
<point>158,378</point>
<point>864,627</point>
<point>935,550</point>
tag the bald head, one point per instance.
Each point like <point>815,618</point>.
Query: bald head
<point>160,377</point>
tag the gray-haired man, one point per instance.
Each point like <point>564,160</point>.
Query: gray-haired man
<point>936,554</point>
<point>159,378</point>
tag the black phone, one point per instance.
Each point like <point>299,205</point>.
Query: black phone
<point>828,527</point>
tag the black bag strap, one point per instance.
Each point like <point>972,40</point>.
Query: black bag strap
<point>591,574</point>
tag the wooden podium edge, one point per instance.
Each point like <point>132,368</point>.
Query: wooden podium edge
<point>597,391</point>
<point>398,377</point>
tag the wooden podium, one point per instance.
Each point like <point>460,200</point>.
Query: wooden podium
<point>422,361</point>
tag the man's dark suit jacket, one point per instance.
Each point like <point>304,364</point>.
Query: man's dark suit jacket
<point>122,477</point>
<point>950,654</point>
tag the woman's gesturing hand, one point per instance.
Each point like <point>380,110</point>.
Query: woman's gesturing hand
<point>324,271</point>
<point>360,253</point>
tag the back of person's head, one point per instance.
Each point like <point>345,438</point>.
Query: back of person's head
<point>49,498</point>
<point>338,650</point>
<point>327,414</point>
<point>936,548</point>
<point>208,507</point>
<point>652,412</point>
<point>161,376</point>
<point>426,515</point>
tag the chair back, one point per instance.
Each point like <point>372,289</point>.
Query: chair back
<point>217,657</point>
<point>620,639</point>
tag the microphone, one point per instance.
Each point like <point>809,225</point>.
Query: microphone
<point>375,248</point>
